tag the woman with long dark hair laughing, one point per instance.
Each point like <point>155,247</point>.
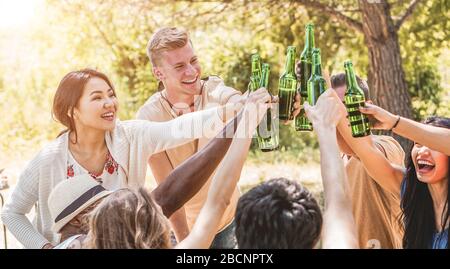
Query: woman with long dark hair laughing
<point>425,185</point>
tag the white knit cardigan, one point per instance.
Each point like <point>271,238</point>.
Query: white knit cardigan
<point>131,143</point>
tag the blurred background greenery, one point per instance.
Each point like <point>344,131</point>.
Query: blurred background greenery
<point>40,41</point>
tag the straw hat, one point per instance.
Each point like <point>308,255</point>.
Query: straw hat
<point>71,196</point>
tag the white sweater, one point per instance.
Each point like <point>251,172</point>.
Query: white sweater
<point>131,144</point>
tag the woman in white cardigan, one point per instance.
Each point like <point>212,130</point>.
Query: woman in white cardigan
<point>114,153</point>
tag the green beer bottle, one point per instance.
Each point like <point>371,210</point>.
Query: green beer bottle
<point>267,133</point>
<point>256,72</point>
<point>301,121</point>
<point>255,77</point>
<point>316,83</point>
<point>354,98</point>
<point>287,86</point>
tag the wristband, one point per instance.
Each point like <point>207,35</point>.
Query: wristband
<point>396,123</point>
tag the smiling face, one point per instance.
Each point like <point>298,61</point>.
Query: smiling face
<point>180,71</point>
<point>97,107</point>
<point>431,166</point>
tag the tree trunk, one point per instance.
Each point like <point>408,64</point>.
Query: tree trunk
<point>386,80</point>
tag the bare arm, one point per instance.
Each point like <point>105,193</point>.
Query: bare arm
<point>189,177</point>
<point>155,137</point>
<point>387,175</point>
<point>226,177</point>
<point>339,229</point>
<point>433,137</point>
<point>161,169</point>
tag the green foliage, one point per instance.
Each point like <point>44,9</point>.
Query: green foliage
<point>112,36</point>
<point>422,38</point>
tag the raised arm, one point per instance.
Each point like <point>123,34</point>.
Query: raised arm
<point>161,168</point>
<point>189,177</point>
<point>227,175</point>
<point>431,136</point>
<point>154,137</point>
<point>339,229</point>
<point>388,175</point>
<point>176,187</point>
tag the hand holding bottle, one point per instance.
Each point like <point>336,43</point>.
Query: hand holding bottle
<point>295,110</point>
<point>257,104</point>
<point>380,118</point>
<point>327,112</point>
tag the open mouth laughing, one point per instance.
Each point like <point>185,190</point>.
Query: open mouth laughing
<point>425,166</point>
<point>109,116</point>
<point>190,82</point>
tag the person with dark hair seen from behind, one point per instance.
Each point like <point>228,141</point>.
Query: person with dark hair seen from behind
<point>281,213</point>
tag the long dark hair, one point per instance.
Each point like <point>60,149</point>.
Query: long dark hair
<point>417,204</point>
<point>68,94</point>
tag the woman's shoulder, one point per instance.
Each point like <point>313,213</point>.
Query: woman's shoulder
<point>51,152</point>
<point>55,147</point>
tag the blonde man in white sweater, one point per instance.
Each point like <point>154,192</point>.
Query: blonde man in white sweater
<point>96,143</point>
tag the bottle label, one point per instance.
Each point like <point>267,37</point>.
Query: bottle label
<point>359,123</point>
<point>267,133</point>
<point>286,93</point>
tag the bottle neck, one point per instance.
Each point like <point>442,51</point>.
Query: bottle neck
<point>309,39</point>
<point>290,63</point>
<point>350,77</point>
<point>256,69</point>
<point>316,65</point>
<point>265,78</point>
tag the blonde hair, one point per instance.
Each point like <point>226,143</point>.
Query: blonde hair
<point>165,39</point>
<point>128,219</point>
